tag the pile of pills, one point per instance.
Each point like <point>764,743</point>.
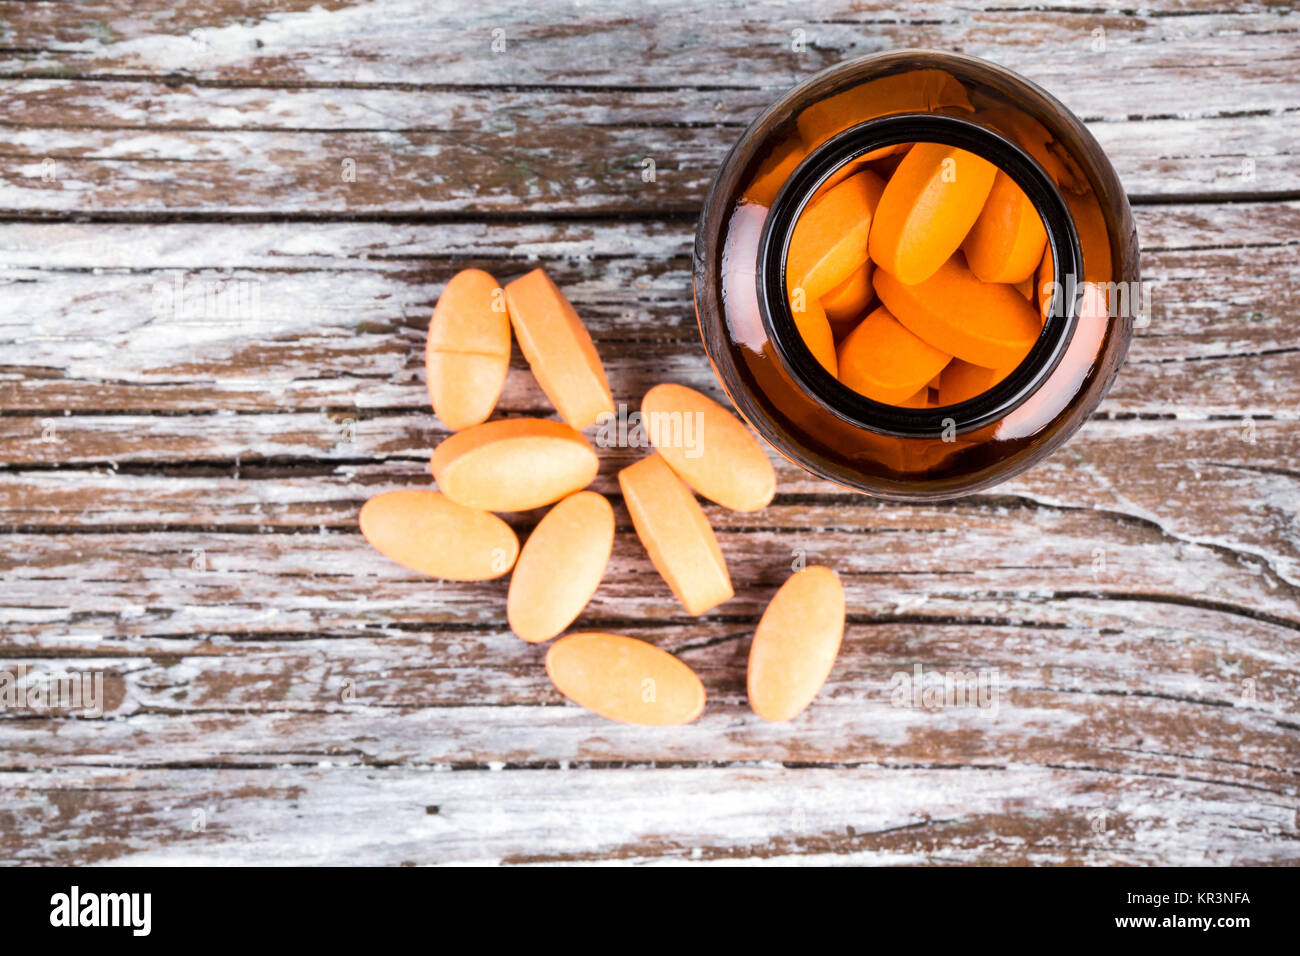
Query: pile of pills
<point>911,275</point>
<point>519,464</point>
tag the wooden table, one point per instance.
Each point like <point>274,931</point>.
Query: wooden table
<point>180,485</point>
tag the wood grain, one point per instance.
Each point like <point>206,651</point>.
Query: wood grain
<point>575,813</point>
<point>178,492</point>
<point>226,110</point>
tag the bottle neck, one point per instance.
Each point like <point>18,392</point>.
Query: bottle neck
<point>853,407</point>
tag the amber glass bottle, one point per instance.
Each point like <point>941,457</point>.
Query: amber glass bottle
<point>818,131</point>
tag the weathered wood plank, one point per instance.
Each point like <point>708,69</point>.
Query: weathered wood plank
<point>1226,484</point>
<point>1219,702</point>
<point>866,814</point>
<point>665,44</point>
<point>241,110</point>
<point>234,581</point>
<point>342,308</point>
<point>559,159</point>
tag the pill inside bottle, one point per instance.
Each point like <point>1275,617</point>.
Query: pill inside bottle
<point>921,256</point>
<point>914,275</point>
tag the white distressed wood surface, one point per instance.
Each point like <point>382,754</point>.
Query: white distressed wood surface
<point>290,696</point>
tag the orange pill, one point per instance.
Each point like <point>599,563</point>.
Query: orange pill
<point>774,171</point>
<point>513,464</point>
<point>849,299</point>
<point>708,447</point>
<point>884,361</point>
<point>920,400</point>
<point>815,330</point>
<point>961,381</point>
<point>886,166</point>
<point>829,241</point>
<point>676,534</point>
<point>796,644</point>
<point>560,566</point>
<point>559,349</point>
<point>926,209</point>
<point>855,166</point>
<point>1006,243</point>
<point>428,532</point>
<point>624,679</point>
<point>984,323</point>
<point>468,350</point>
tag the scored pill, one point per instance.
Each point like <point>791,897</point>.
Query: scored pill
<point>468,350</point>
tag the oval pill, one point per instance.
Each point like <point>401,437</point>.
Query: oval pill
<point>885,361</point>
<point>1007,240</point>
<point>468,350</point>
<point>926,209</point>
<point>708,447</point>
<point>796,643</point>
<point>961,381</point>
<point>984,323</point>
<point>428,532</point>
<point>513,464</point>
<point>849,299</point>
<point>865,161</point>
<point>625,679</point>
<point>676,534</point>
<point>829,241</point>
<point>886,166</point>
<point>560,566</point>
<point>559,349</point>
<point>920,400</point>
<point>815,330</point>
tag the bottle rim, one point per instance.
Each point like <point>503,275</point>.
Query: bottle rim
<point>853,407</point>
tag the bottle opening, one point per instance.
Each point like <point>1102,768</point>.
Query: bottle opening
<point>929,335</point>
